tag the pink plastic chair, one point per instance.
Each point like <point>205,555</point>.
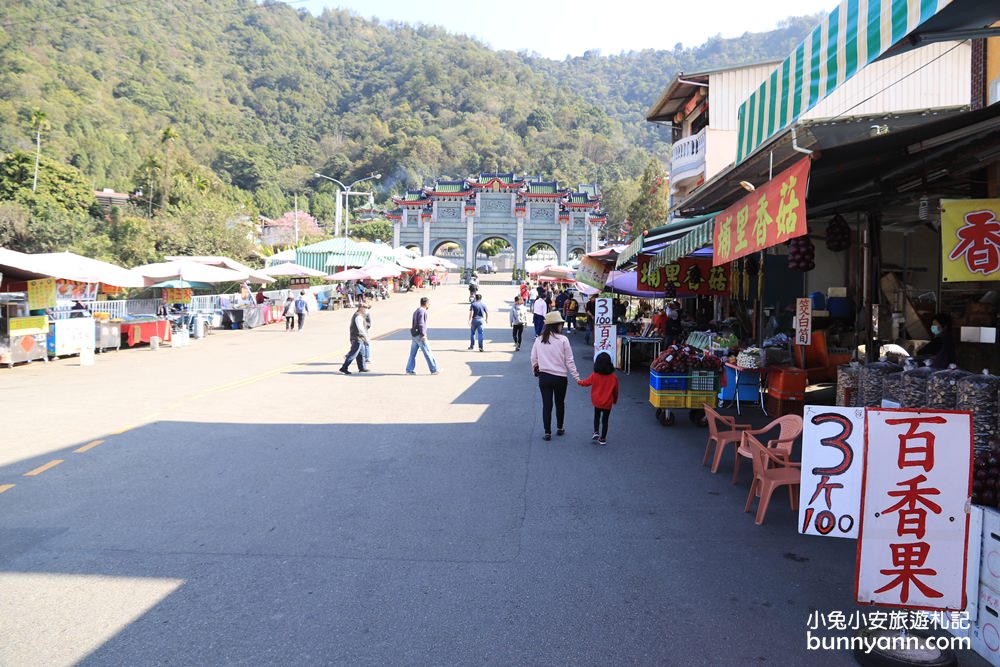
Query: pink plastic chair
<point>767,478</point>
<point>789,428</point>
<point>722,431</point>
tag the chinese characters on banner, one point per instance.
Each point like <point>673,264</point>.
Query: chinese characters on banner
<point>605,331</point>
<point>593,273</point>
<point>771,214</point>
<point>41,293</point>
<point>688,276</point>
<point>830,489</point>
<point>970,239</point>
<point>916,485</point>
<point>177,295</point>
<point>803,321</point>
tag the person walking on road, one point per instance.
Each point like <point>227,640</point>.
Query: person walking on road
<point>418,332</point>
<point>603,394</point>
<point>301,308</point>
<point>479,315</point>
<point>359,338</point>
<point>289,313</point>
<point>518,320</point>
<point>539,309</point>
<point>552,361</point>
<point>367,351</point>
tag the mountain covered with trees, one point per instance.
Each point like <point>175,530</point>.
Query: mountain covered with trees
<point>217,110</point>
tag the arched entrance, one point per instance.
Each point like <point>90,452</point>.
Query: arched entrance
<point>540,254</point>
<point>451,251</point>
<point>494,254</point>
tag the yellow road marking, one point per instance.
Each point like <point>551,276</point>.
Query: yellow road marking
<point>88,446</point>
<point>40,469</point>
<point>6,487</point>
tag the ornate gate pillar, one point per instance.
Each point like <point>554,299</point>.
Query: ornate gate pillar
<point>563,231</point>
<point>395,234</point>
<point>470,252</point>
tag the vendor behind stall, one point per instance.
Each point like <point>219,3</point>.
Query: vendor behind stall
<point>78,310</point>
<point>941,349</point>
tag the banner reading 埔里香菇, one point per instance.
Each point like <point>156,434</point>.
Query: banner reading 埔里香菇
<point>687,276</point>
<point>773,213</point>
<point>970,239</point>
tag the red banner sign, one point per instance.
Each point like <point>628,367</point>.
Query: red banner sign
<point>772,214</point>
<point>689,276</point>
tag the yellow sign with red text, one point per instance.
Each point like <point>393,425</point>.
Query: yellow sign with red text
<point>771,214</point>
<point>970,239</point>
<point>177,295</point>
<point>42,293</point>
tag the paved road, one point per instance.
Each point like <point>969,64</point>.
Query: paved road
<point>247,504</point>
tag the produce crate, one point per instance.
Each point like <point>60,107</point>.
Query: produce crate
<point>702,381</point>
<point>777,407</point>
<point>667,381</point>
<point>667,399</point>
<point>696,399</point>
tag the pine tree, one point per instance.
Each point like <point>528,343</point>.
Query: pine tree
<point>652,207</point>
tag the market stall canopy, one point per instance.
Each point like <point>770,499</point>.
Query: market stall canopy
<point>843,44</point>
<point>418,264</point>
<point>283,257</point>
<point>445,263</point>
<point>70,266</point>
<point>656,239</point>
<point>190,271</point>
<point>253,275</point>
<point>380,271</point>
<point>20,266</point>
<point>292,270</point>
<point>557,273</point>
<point>348,274</point>
<point>181,284</point>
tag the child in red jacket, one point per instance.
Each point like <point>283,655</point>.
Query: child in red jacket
<point>603,394</point>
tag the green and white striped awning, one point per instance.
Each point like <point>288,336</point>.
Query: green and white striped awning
<point>698,237</point>
<point>654,240</point>
<point>855,34</point>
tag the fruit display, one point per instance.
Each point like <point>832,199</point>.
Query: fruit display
<point>847,384</point>
<point>801,254</point>
<point>915,386</point>
<point>978,394</point>
<point>986,471</point>
<point>838,234</point>
<point>942,388</point>
<point>684,358</point>
<point>871,379</point>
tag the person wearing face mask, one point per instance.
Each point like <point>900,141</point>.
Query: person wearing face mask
<point>941,349</point>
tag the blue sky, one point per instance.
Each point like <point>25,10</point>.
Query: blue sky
<point>555,29</point>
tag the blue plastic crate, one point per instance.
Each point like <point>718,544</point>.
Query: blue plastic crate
<point>667,381</point>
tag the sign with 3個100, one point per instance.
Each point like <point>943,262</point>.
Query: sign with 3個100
<point>832,460</point>
<point>605,332</point>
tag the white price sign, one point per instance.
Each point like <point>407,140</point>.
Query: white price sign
<point>605,331</point>
<point>833,442</point>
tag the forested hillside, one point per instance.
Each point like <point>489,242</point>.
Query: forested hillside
<point>230,106</point>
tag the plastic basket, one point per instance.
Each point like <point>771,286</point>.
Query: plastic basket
<point>702,381</point>
<point>665,399</point>
<point>696,399</point>
<point>667,381</point>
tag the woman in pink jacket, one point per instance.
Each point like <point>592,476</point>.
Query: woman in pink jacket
<point>552,360</point>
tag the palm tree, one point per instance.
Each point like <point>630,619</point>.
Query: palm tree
<point>39,122</point>
<point>167,139</point>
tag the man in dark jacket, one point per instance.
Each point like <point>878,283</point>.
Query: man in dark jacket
<point>359,338</point>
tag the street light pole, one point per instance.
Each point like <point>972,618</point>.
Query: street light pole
<point>346,192</point>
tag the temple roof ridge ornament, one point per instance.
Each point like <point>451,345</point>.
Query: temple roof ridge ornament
<point>412,198</point>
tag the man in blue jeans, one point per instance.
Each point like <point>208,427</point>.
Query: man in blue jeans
<point>418,332</point>
<point>479,314</point>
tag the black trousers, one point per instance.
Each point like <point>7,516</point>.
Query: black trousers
<point>601,421</point>
<point>518,330</point>
<point>553,388</point>
<point>289,322</point>
<point>302,320</point>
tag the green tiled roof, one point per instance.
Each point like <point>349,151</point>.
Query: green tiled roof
<point>503,178</point>
<point>412,195</point>
<point>579,198</point>
<point>449,187</point>
<point>543,188</point>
